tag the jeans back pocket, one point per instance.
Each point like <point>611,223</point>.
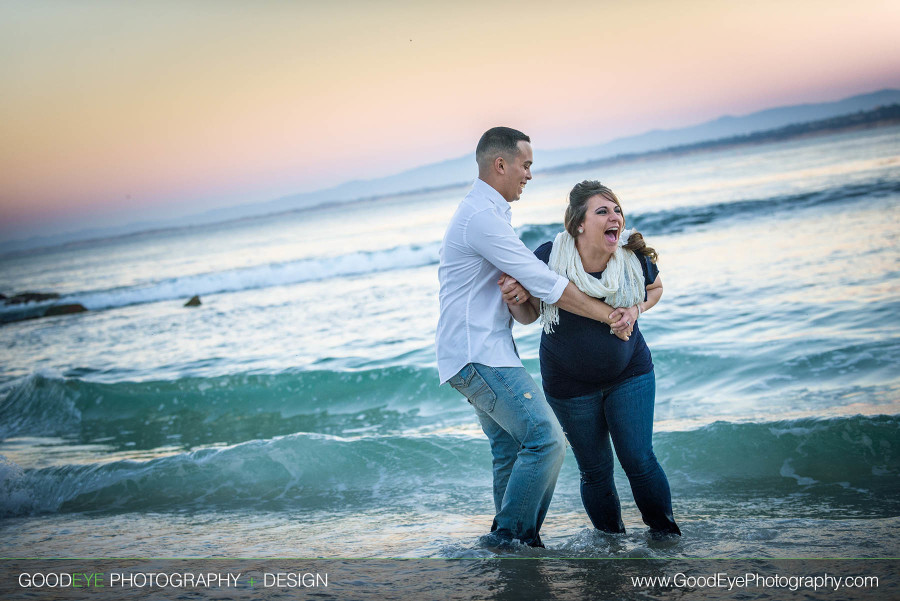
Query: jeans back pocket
<point>471,385</point>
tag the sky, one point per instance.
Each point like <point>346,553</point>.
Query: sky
<point>115,112</point>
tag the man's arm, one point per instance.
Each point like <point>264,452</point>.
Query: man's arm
<point>575,301</point>
<point>572,300</point>
<point>518,299</point>
<point>495,240</point>
<point>492,237</point>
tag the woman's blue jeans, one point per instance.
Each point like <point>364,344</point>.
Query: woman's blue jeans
<point>623,413</point>
<point>527,445</point>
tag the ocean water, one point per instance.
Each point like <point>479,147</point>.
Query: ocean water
<point>297,412</point>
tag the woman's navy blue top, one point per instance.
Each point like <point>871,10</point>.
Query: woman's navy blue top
<point>580,357</point>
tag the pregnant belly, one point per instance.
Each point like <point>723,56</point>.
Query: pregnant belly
<point>586,356</point>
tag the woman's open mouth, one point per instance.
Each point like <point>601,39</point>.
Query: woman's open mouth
<point>612,234</point>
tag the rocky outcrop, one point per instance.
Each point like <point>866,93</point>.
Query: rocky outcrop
<point>194,302</point>
<point>64,309</point>
<point>32,305</point>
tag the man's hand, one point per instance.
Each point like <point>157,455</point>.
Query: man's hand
<point>512,290</point>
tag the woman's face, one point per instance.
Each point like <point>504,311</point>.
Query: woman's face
<point>603,222</point>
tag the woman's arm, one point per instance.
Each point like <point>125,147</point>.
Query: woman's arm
<point>526,312</point>
<point>523,307</point>
<point>654,293</point>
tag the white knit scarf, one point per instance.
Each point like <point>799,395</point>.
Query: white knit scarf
<point>621,285</point>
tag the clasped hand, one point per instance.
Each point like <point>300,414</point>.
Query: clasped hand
<point>513,292</point>
<point>621,320</point>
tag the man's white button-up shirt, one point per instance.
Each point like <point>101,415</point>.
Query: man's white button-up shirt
<point>475,325</point>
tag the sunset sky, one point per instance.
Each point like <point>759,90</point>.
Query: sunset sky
<point>114,112</point>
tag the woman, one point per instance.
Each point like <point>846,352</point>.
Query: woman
<point>601,386</point>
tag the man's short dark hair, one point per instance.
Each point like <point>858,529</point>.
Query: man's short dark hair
<point>496,141</point>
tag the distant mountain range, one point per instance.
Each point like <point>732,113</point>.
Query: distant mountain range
<point>724,127</point>
<point>462,169</point>
<point>881,116</point>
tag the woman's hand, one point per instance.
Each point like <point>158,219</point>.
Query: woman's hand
<point>623,319</point>
<point>522,306</point>
<point>623,334</point>
<point>513,292</point>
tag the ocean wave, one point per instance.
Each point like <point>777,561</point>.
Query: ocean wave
<point>196,411</point>
<point>855,451</point>
<point>685,218</point>
<point>237,280</point>
<point>302,470</point>
<point>856,456</point>
<point>405,257</point>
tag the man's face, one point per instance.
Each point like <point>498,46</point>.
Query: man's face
<point>517,172</point>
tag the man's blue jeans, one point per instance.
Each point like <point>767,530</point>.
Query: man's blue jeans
<point>623,412</point>
<point>527,444</point>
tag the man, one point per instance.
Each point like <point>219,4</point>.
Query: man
<point>475,348</point>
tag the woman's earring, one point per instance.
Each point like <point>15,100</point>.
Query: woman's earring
<point>581,230</point>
